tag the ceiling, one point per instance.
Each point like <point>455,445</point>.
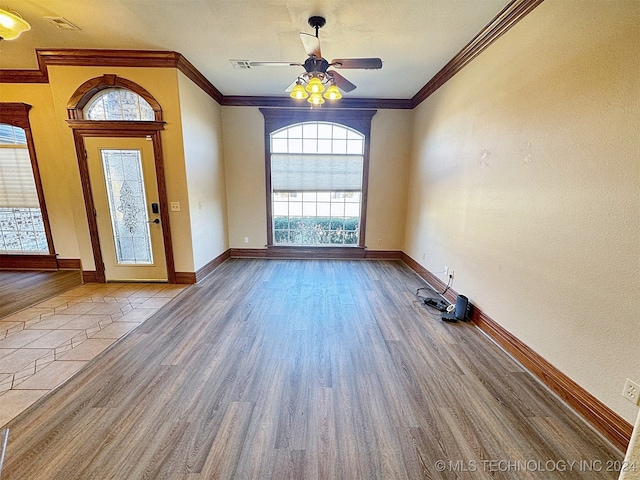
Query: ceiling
<point>414,38</point>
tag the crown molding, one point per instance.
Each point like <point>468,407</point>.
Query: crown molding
<point>507,18</point>
<point>288,102</point>
<point>515,11</point>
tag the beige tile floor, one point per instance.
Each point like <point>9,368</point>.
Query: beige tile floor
<point>44,345</point>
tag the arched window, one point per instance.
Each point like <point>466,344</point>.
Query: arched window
<point>316,184</point>
<point>118,104</point>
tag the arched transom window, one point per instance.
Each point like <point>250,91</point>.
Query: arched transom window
<point>316,183</point>
<point>118,104</point>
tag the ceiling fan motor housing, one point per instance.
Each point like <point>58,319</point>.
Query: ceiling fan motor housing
<point>315,65</point>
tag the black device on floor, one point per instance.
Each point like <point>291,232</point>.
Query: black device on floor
<point>448,317</point>
<point>437,304</point>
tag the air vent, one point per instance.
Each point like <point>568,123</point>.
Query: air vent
<point>240,64</point>
<point>61,22</point>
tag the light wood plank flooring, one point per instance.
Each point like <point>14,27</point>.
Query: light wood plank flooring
<point>282,369</point>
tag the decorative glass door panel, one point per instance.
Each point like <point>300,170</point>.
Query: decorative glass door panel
<point>127,206</point>
<point>124,188</point>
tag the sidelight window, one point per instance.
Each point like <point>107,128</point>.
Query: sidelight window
<point>22,228</point>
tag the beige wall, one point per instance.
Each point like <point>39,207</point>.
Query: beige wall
<point>243,140</point>
<point>201,119</point>
<point>388,175</point>
<point>243,133</point>
<point>59,166</point>
<point>55,170</point>
<point>526,181</point>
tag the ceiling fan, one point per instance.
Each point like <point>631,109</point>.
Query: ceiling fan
<point>317,77</point>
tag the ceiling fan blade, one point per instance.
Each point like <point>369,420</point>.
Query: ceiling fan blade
<point>360,63</point>
<point>341,82</point>
<point>289,89</point>
<point>274,64</point>
<point>311,44</point>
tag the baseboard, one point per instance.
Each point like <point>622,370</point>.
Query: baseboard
<point>189,278</point>
<point>349,253</point>
<point>248,252</point>
<point>602,418</point>
<point>185,278</point>
<point>89,276</point>
<point>429,277</point>
<point>382,254</point>
<point>69,264</point>
<point>212,265</point>
<point>28,262</point>
<point>605,420</point>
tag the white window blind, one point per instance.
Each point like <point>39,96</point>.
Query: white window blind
<point>17,186</point>
<point>316,173</point>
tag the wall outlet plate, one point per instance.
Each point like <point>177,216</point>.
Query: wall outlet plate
<point>631,391</point>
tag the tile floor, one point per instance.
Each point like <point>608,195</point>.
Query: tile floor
<point>44,345</point>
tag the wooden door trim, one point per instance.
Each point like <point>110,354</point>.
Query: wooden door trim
<point>124,129</point>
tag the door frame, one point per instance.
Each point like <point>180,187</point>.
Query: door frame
<point>137,129</point>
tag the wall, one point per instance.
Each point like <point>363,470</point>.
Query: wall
<point>201,119</point>
<point>53,167</point>
<point>243,133</point>
<point>390,149</point>
<point>59,166</point>
<point>525,180</point>
<point>243,140</point>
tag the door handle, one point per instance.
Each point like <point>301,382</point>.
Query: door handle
<point>155,220</point>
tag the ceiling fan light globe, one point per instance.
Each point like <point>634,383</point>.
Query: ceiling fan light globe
<point>333,93</point>
<point>12,25</point>
<point>299,93</point>
<point>315,99</point>
<point>315,85</point>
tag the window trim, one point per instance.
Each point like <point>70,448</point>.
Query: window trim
<point>17,115</point>
<point>277,118</point>
<point>88,90</point>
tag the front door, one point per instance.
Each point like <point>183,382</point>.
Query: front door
<point>125,196</point>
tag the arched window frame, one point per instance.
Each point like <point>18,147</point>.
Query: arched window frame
<point>118,128</point>
<point>89,89</point>
<point>278,118</point>
<point>17,115</point>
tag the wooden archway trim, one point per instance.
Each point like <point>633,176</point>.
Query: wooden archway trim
<point>85,92</point>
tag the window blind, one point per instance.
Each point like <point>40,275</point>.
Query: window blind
<point>17,186</point>
<point>316,173</point>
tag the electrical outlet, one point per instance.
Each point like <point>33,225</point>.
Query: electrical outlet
<point>451,274</point>
<point>446,271</point>
<point>631,391</point>
<point>246,239</point>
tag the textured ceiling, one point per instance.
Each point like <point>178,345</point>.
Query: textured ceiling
<point>414,38</point>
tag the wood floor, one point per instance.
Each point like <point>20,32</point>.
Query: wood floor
<point>22,289</point>
<point>281,369</point>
